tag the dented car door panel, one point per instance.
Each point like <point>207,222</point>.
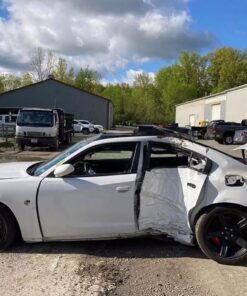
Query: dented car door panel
<point>168,194</point>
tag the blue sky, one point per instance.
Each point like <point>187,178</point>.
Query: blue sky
<point>226,19</point>
<point>118,38</point>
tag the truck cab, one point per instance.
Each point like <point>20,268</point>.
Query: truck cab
<point>37,127</point>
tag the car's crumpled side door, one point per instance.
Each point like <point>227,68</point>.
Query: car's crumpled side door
<point>167,196</point>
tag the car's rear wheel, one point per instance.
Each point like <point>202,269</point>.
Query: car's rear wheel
<point>55,147</point>
<point>8,230</point>
<point>228,139</point>
<point>221,234</point>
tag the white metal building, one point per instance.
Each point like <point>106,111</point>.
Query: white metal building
<point>230,105</point>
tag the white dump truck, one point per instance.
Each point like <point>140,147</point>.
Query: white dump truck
<point>43,127</point>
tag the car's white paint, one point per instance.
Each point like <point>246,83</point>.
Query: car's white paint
<point>14,170</point>
<point>63,170</point>
<point>82,207</point>
<point>87,124</point>
<point>96,207</point>
<point>99,127</point>
<point>77,126</point>
<point>18,192</point>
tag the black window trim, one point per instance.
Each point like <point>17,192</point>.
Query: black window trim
<point>134,164</point>
<point>174,147</point>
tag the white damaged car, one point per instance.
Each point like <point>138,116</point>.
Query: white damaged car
<point>153,183</point>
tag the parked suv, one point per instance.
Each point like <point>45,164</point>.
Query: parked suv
<point>88,127</point>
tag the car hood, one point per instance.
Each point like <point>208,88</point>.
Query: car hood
<point>13,170</point>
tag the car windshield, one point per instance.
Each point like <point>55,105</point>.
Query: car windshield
<point>59,159</point>
<point>39,118</point>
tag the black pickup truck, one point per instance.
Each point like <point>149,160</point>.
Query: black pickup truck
<point>224,133</point>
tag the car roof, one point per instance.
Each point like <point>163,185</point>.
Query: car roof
<point>148,130</point>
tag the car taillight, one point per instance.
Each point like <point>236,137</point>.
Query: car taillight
<point>241,134</point>
<point>213,130</point>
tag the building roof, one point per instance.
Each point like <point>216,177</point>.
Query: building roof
<point>58,81</point>
<point>214,95</point>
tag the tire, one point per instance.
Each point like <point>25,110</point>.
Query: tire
<point>86,131</point>
<point>96,131</point>
<point>8,229</point>
<point>221,234</point>
<point>228,139</point>
<point>56,146</point>
<point>70,138</point>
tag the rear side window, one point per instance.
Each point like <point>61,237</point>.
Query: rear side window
<point>163,155</point>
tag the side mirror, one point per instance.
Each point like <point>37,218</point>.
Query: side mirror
<point>64,170</point>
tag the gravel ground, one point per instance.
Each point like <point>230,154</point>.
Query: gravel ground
<point>142,267</point>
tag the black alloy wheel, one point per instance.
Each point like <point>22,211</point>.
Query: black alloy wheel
<point>222,234</point>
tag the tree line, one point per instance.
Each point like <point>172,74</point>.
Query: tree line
<point>148,99</point>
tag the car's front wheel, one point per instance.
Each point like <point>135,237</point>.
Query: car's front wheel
<point>221,234</point>
<point>86,131</point>
<point>8,229</point>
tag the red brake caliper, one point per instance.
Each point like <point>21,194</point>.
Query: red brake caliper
<point>216,240</point>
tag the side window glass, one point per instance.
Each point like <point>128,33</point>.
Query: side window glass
<point>107,159</point>
<point>163,155</point>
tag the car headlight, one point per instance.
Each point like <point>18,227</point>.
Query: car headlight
<point>234,180</point>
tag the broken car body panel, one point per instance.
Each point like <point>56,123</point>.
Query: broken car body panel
<point>152,200</point>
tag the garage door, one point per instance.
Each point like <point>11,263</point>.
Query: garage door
<point>216,110</point>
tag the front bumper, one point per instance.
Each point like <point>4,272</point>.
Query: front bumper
<point>36,142</point>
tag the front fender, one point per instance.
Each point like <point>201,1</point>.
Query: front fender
<point>20,196</point>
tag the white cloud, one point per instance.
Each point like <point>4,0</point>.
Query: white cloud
<point>129,77</point>
<point>132,74</point>
<point>105,35</point>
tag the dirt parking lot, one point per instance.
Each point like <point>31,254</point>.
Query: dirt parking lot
<point>121,267</point>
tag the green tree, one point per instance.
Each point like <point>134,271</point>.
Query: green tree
<point>26,79</point>
<point>60,70</point>
<point>87,79</point>
<point>146,100</point>
<point>193,70</point>
<point>71,76</point>
<point>11,82</point>
<point>120,94</point>
<point>227,69</point>
<point>2,89</point>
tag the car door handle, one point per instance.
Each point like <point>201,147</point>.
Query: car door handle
<point>123,188</point>
<point>191,185</point>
